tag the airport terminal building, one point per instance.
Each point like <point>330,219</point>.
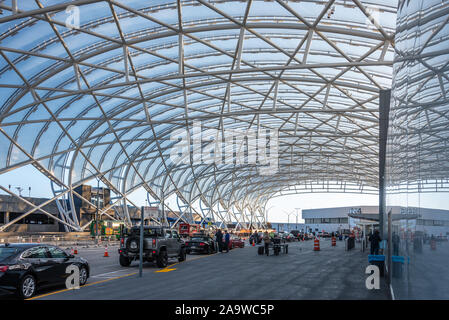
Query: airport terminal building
<point>429,221</point>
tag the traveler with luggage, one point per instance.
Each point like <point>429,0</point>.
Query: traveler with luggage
<point>267,241</point>
<point>226,240</point>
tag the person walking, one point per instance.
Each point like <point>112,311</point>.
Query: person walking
<point>396,240</point>
<point>375,241</point>
<point>266,240</point>
<point>219,239</point>
<point>227,238</point>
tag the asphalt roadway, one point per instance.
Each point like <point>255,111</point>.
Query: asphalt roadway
<point>302,274</point>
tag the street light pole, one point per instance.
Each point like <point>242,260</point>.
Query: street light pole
<point>288,217</point>
<point>98,204</point>
<point>96,214</point>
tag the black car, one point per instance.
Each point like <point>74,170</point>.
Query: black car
<point>24,268</point>
<point>200,243</point>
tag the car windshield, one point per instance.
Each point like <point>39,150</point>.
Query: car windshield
<point>7,252</point>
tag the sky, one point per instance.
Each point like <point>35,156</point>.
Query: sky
<point>277,208</point>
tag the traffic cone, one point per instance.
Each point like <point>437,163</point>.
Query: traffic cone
<point>76,250</point>
<point>106,254</point>
<point>254,243</point>
<point>316,245</point>
<point>334,242</point>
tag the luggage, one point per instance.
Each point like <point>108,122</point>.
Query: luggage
<point>260,250</point>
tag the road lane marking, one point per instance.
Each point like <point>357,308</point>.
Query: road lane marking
<point>166,269</point>
<point>86,285</point>
<point>174,264</point>
<point>102,274</point>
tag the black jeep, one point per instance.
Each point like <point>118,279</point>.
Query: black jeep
<point>159,244</point>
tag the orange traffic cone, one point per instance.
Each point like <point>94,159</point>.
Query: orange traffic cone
<point>106,254</point>
<point>254,243</point>
<point>76,250</point>
<point>334,242</point>
<point>316,245</point>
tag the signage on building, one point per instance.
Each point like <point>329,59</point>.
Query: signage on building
<point>409,210</point>
<point>150,212</point>
<point>355,211</point>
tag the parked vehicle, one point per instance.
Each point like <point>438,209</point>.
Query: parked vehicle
<point>187,230</point>
<point>309,236</point>
<point>201,243</point>
<point>236,242</point>
<point>159,244</point>
<point>26,268</point>
<point>297,234</point>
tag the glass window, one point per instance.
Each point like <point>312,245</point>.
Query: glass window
<point>168,234</point>
<point>57,253</point>
<point>36,253</point>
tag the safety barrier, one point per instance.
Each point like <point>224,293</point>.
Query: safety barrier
<point>316,245</point>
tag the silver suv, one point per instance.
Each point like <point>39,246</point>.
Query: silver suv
<point>159,244</point>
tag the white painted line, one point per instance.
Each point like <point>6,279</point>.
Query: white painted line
<point>392,293</point>
<point>102,274</point>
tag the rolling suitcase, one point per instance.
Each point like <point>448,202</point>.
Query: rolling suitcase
<point>260,250</point>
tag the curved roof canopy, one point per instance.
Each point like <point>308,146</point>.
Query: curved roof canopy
<point>103,98</point>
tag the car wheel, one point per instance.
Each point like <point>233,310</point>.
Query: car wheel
<point>27,287</point>
<point>162,259</point>
<point>83,276</point>
<point>124,261</point>
<point>182,255</point>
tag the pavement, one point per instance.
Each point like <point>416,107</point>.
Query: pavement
<point>425,275</point>
<point>302,274</point>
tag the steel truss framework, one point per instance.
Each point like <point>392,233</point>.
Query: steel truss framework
<point>418,147</point>
<point>99,101</point>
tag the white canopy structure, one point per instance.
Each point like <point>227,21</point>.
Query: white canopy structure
<point>95,89</point>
